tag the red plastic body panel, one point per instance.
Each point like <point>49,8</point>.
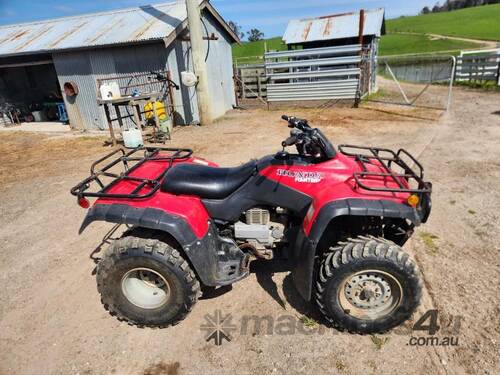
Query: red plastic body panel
<point>188,208</point>
<point>324,182</point>
<point>330,181</point>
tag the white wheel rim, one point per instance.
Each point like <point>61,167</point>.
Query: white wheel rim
<point>145,288</point>
<point>370,294</point>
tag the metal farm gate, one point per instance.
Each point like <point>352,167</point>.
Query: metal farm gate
<point>314,74</point>
<point>479,66</point>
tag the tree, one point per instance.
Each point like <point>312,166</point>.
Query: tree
<point>254,35</point>
<point>425,10</point>
<point>236,29</point>
<point>436,8</point>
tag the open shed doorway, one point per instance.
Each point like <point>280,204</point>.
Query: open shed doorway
<point>30,91</point>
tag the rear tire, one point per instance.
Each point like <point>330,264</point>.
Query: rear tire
<point>367,285</point>
<point>146,282</point>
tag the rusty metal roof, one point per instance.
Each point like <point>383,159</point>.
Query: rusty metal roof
<point>335,26</point>
<point>90,30</point>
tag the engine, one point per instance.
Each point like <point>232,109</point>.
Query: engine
<point>261,230</point>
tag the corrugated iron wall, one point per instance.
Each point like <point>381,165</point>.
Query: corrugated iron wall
<point>82,110</point>
<point>85,67</point>
<point>219,69</point>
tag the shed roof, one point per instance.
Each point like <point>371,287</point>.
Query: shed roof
<point>149,22</point>
<point>335,26</point>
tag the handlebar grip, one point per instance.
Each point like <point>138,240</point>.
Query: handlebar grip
<point>284,117</point>
<point>289,141</point>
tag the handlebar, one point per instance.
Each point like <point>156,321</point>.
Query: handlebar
<point>309,141</point>
<point>290,141</point>
<point>295,122</point>
<point>162,78</point>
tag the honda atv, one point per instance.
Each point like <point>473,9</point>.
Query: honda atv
<point>339,216</point>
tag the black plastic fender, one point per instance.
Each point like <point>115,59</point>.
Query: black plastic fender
<point>304,249</point>
<point>202,253</point>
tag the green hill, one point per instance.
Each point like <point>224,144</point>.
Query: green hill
<point>482,22</point>
<point>402,44</point>
<point>253,52</point>
<point>406,35</point>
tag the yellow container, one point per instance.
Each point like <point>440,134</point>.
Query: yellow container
<point>160,110</point>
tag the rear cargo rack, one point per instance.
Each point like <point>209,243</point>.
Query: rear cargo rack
<point>386,159</point>
<point>130,161</point>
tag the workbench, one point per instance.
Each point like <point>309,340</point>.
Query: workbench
<point>130,101</point>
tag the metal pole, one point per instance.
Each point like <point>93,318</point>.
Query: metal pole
<point>452,78</point>
<point>200,66</point>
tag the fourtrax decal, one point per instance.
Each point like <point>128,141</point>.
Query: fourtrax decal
<point>301,176</point>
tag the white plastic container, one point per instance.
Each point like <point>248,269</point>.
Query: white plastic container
<point>39,116</point>
<point>110,90</point>
<point>132,138</point>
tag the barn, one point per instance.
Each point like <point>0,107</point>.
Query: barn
<point>38,59</point>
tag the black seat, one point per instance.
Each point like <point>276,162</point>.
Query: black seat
<point>206,182</point>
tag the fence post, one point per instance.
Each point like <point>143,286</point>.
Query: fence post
<point>498,68</point>
<point>452,78</point>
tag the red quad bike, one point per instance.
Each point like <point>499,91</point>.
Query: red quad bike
<point>339,216</point>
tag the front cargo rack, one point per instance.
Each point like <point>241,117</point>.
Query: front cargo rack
<point>386,160</point>
<point>129,161</point>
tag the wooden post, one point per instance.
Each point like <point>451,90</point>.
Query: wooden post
<point>200,66</point>
<point>360,42</point>
<point>361,27</point>
<point>118,115</point>
<point>235,84</point>
<point>136,116</point>
<point>110,124</point>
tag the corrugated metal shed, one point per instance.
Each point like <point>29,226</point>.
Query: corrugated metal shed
<point>150,22</point>
<point>336,26</point>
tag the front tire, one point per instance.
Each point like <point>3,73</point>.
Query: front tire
<point>146,282</point>
<point>367,285</point>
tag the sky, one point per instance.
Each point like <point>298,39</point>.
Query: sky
<point>269,16</point>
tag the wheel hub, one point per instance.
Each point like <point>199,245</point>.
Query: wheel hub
<point>370,294</point>
<point>367,290</point>
<point>145,288</point>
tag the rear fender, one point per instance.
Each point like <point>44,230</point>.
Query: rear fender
<point>306,245</point>
<point>202,252</point>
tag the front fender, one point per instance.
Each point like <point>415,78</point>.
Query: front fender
<point>305,246</point>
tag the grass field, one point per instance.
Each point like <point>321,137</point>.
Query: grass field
<point>481,22</point>
<point>249,52</point>
<point>401,44</point>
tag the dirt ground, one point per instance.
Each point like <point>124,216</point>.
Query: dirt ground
<point>52,322</point>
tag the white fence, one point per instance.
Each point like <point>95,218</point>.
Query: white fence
<point>481,65</point>
<point>313,74</point>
